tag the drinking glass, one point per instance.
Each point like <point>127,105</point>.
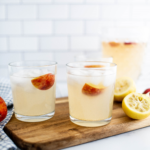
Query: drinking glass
<point>33,88</point>
<point>127,47</point>
<point>91,92</point>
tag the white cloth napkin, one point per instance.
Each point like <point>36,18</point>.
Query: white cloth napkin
<point>5,93</point>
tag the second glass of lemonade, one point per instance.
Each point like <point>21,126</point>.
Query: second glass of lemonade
<point>33,89</point>
<point>91,92</point>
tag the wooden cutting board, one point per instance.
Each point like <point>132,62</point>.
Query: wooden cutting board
<point>59,132</point>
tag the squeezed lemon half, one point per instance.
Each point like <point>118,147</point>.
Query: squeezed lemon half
<point>123,87</point>
<point>136,105</point>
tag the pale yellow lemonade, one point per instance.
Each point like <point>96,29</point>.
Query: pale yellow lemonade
<point>87,106</point>
<point>29,100</point>
<point>127,55</point>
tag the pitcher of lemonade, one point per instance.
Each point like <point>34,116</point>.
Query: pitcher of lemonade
<point>127,47</point>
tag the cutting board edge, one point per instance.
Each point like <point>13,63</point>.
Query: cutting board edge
<point>29,145</point>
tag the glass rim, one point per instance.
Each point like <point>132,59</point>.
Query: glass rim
<point>13,64</point>
<point>107,67</point>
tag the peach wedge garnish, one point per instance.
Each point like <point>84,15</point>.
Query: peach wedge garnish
<point>44,82</point>
<point>91,89</point>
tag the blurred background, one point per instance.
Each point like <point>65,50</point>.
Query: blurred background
<point>60,29</point>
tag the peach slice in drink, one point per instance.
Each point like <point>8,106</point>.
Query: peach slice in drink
<point>44,82</point>
<point>91,89</point>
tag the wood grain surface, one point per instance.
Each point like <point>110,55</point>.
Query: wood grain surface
<point>59,132</point>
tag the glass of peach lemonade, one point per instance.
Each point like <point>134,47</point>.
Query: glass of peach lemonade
<point>33,89</point>
<point>91,92</point>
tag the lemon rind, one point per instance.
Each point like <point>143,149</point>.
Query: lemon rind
<point>133,113</point>
<point>130,89</point>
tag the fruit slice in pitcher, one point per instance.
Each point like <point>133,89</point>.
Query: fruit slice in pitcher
<point>114,44</point>
<point>129,43</point>
<point>44,82</point>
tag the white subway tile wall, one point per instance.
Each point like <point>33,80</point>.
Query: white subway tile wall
<point>9,1</point>
<point>83,43</point>
<point>69,27</point>
<point>58,30</point>
<point>3,71</point>
<point>38,27</point>
<point>68,1</point>
<point>61,57</point>
<point>141,12</point>
<point>37,1</point>
<point>6,58</point>
<point>21,12</point>
<point>84,11</point>
<point>113,12</point>
<point>10,28</point>
<point>132,1</point>
<point>3,44</point>
<point>100,1</point>
<point>95,27</point>
<point>53,11</point>
<point>39,56</point>
<point>2,12</point>
<point>23,43</point>
<point>54,43</point>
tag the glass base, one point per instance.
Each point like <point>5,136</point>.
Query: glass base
<point>90,123</point>
<point>34,118</point>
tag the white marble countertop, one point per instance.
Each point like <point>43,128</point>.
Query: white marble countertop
<point>137,139</point>
<point>133,140</point>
